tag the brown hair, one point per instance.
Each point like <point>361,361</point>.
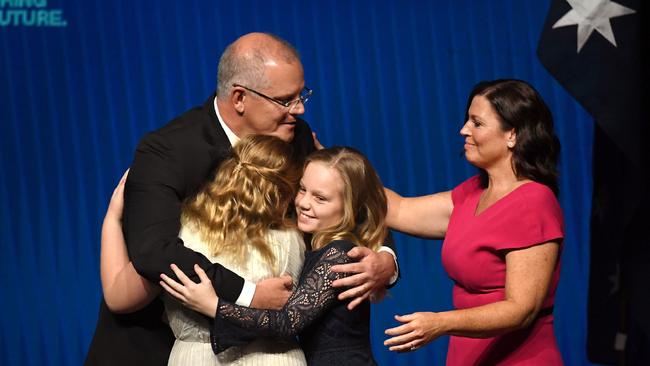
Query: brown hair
<point>520,107</point>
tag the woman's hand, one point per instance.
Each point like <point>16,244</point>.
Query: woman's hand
<point>199,297</point>
<point>116,205</point>
<point>317,143</point>
<point>417,329</point>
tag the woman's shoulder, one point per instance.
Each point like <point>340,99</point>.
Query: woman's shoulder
<point>538,196</point>
<point>466,189</point>
<point>537,188</point>
<point>531,215</point>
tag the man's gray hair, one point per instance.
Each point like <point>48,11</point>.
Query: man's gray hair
<point>246,67</point>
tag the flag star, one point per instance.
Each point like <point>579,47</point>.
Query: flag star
<point>592,15</point>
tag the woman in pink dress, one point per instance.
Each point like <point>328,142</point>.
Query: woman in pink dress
<point>503,232</point>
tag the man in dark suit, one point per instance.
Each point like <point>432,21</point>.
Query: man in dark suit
<point>260,91</point>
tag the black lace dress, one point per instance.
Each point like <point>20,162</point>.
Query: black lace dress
<point>329,333</point>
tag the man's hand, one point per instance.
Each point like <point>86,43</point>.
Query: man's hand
<point>272,293</point>
<point>369,277</point>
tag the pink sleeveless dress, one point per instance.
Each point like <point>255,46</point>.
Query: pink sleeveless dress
<point>473,256</point>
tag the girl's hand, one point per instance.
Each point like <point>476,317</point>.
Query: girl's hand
<point>199,297</point>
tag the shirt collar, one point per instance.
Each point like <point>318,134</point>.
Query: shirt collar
<point>232,138</point>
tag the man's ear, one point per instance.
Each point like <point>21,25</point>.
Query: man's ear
<point>237,98</point>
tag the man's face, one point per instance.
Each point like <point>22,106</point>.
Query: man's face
<point>263,116</point>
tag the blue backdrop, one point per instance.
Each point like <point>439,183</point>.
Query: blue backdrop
<point>78,89</point>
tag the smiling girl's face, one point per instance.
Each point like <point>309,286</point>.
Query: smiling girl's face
<point>319,202</point>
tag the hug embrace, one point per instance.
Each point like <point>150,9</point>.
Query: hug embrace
<point>269,247</point>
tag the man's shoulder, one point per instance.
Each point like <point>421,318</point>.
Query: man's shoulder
<point>185,150</point>
<point>192,121</point>
<point>195,127</point>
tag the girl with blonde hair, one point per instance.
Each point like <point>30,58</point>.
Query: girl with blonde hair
<point>341,202</point>
<point>237,219</point>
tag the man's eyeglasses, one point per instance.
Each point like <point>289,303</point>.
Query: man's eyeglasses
<point>303,98</point>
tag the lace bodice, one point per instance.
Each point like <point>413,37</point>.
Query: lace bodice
<point>313,297</point>
<point>329,333</point>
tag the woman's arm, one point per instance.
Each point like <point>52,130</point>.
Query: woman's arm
<point>529,273</point>
<point>424,216</point>
<point>124,289</point>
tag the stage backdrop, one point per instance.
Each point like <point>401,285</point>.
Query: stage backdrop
<point>82,81</point>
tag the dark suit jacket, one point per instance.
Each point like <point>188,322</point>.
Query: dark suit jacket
<point>170,164</point>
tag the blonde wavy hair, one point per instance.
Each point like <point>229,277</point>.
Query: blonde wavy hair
<point>364,199</point>
<point>249,195</point>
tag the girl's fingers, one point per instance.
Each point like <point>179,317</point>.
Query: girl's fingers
<point>202,275</point>
<point>177,287</point>
<point>172,292</point>
<point>181,275</point>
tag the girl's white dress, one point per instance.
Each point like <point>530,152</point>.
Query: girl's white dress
<point>192,345</point>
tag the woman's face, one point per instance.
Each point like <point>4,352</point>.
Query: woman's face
<point>486,144</point>
<point>319,203</point>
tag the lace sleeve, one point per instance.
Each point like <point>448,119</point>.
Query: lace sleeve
<point>236,325</point>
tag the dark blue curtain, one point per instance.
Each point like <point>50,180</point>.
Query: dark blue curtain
<point>390,78</point>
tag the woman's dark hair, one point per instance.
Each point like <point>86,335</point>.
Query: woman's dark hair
<point>520,107</point>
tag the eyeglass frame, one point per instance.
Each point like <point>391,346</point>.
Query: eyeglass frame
<point>290,104</point>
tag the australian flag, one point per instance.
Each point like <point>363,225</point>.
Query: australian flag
<point>596,51</point>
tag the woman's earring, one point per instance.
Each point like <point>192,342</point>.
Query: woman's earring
<point>511,144</point>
